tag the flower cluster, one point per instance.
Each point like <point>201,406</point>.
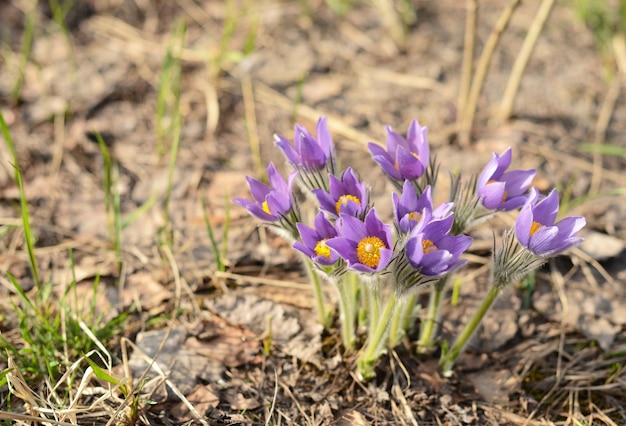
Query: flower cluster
<point>421,244</point>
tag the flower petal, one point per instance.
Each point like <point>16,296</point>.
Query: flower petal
<point>491,195</point>
<point>546,210</point>
<point>545,240</point>
<point>292,156</point>
<point>258,189</point>
<point>323,136</point>
<point>410,166</point>
<point>518,181</point>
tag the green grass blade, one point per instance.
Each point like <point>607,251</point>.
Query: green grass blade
<point>26,48</point>
<point>209,228</point>
<point>4,373</point>
<point>568,206</point>
<point>112,201</point>
<point>20,292</point>
<point>226,228</point>
<point>28,235</point>
<point>139,211</point>
<point>613,150</point>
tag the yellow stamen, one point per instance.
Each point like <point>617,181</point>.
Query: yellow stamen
<point>321,249</point>
<point>429,246</point>
<point>266,208</point>
<point>534,227</point>
<point>368,251</point>
<point>343,200</point>
<point>416,216</point>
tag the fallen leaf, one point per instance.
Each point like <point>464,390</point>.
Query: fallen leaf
<point>202,397</point>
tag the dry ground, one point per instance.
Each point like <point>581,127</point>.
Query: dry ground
<point>543,356</point>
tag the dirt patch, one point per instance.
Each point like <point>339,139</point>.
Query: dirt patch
<point>549,354</point>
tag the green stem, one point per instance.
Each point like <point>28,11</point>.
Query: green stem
<point>428,328</point>
<point>374,299</point>
<point>449,357</point>
<point>322,314</point>
<point>402,320</point>
<point>347,310</point>
<point>407,317</point>
<point>376,340</point>
<point>394,330</point>
<point>364,308</point>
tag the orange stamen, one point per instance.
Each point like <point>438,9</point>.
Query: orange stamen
<point>368,251</point>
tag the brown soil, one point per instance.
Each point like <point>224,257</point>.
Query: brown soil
<point>541,357</point>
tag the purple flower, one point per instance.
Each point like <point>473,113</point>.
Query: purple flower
<point>314,239</point>
<point>536,230</point>
<point>502,190</point>
<point>366,246</point>
<point>432,251</point>
<point>404,159</point>
<point>410,209</point>
<point>345,196</point>
<point>270,202</point>
<point>308,153</point>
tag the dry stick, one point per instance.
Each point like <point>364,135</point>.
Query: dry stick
<point>468,58</point>
<point>481,71</point>
<point>515,78</point>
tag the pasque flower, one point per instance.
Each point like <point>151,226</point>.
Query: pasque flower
<point>432,250</point>
<point>347,195</point>
<point>409,207</point>
<point>502,190</point>
<point>313,240</point>
<point>405,158</point>
<point>272,202</point>
<point>308,152</point>
<point>536,228</point>
<point>365,245</point>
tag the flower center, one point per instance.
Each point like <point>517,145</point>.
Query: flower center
<point>321,249</point>
<point>343,200</point>
<point>534,227</point>
<point>429,246</point>
<point>368,251</point>
<point>266,208</point>
<point>416,216</point>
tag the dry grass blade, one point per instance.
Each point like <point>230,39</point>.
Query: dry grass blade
<point>515,78</point>
<point>273,405</point>
<point>134,40</point>
<point>27,420</point>
<point>405,80</point>
<point>481,72</point>
<point>251,124</point>
<point>469,39</point>
<point>268,95</point>
<point>246,279</point>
